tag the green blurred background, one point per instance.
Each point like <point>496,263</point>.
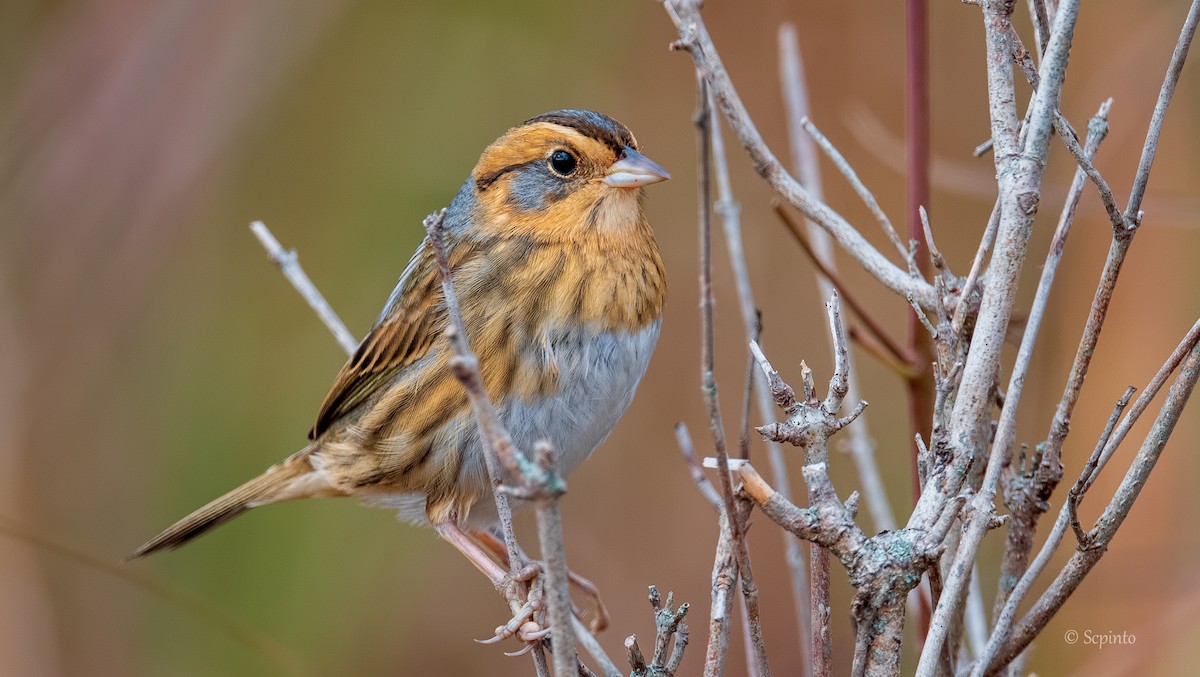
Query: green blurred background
<point>151,358</point>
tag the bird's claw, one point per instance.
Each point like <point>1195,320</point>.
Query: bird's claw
<point>516,626</point>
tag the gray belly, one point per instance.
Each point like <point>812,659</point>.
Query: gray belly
<point>598,375</point>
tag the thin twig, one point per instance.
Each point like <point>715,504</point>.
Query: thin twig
<point>1019,171</point>
<point>705,486</point>
<point>1067,134</point>
<point>965,302</point>
<point>694,38</point>
<point>1165,93</point>
<point>709,389</point>
<point>1027,495</point>
<point>289,265</point>
<point>820,251</point>
<point>1114,515</point>
<point>554,556</point>
<point>873,326</point>
<point>537,480</point>
<point>856,183</point>
<point>499,449</point>
<point>1110,440</point>
<point>589,643</point>
<point>725,566</point>
<point>729,210</point>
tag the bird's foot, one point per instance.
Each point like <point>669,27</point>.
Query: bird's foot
<point>600,617</point>
<point>524,593</point>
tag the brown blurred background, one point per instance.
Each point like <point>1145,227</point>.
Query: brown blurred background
<point>151,358</point>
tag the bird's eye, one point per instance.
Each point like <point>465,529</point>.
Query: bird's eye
<point>562,163</point>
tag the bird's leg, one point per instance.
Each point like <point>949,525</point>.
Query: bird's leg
<point>601,618</point>
<point>525,602</point>
<point>471,550</point>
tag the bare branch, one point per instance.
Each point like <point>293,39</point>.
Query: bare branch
<point>537,479</point>
<point>1084,559</point>
<point>693,36</point>
<point>554,556</point>
<point>718,644</point>
<point>705,486</point>
<point>1109,441</point>
<point>856,183</point>
<point>835,283</point>
<point>289,263</point>
<point>593,648</point>
<point>466,369</point>
<point>1027,497</point>
<point>1150,148</point>
<point>727,207</point>
<point>1019,171</point>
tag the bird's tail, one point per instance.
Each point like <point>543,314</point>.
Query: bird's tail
<point>293,478</point>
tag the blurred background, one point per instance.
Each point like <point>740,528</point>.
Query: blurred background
<point>151,358</point>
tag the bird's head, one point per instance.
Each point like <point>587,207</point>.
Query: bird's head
<point>563,171</point>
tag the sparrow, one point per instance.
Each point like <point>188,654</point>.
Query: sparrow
<point>561,288</point>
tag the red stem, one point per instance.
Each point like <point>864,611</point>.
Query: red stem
<point>920,385</point>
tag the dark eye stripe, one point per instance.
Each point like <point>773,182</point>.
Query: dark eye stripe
<point>484,182</point>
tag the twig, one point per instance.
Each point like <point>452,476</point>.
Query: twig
<point>883,568</point>
<point>1109,441</point>
<point>1091,468</point>
<point>466,368</point>
<point>935,256</point>
<point>810,423</point>
<point>819,247</point>
<point>728,208</point>
<point>1067,134</point>
<point>537,479</point>
<point>724,578</point>
<point>705,486</point>
<point>1019,171</point>
<point>586,639</point>
<point>289,265</point>
<point>693,37</point>
<point>554,554</point>
<point>829,275</point>
<point>668,627</point>
<point>1084,559</point>
<point>1026,496</point>
<point>1150,147</point>
<point>709,389</point>
<point>804,160</point>
<point>1190,340</point>
<point>856,183</point>
<point>965,302</point>
<point>1041,24</point>
<point>633,654</point>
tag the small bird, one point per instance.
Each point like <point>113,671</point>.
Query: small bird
<point>561,288</point>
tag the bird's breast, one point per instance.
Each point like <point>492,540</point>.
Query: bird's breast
<point>598,373</point>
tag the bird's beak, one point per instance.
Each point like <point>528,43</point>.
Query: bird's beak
<point>634,170</point>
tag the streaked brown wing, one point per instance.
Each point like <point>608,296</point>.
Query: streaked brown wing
<point>415,315</point>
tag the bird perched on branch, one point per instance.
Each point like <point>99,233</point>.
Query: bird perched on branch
<point>561,288</point>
